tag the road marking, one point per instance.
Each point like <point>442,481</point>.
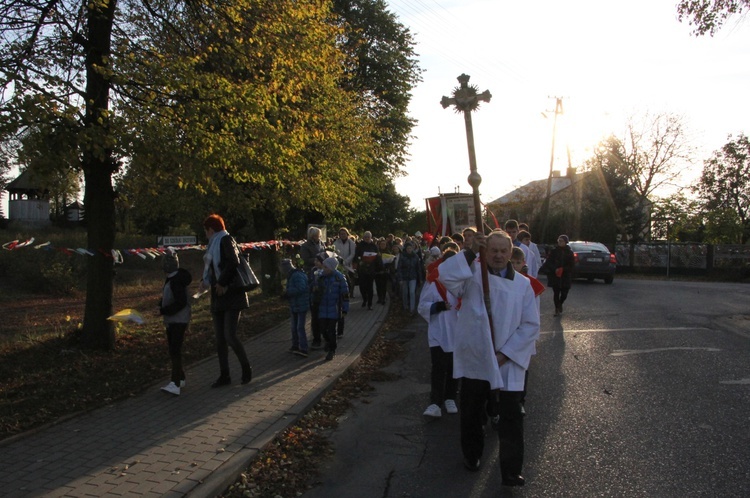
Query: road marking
<point>625,352</point>
<point>736,382</point>
<point>645,329</point>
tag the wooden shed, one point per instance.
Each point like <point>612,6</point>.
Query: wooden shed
<point>28,201</point>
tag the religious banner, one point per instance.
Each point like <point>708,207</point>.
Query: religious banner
<point>450,213</point>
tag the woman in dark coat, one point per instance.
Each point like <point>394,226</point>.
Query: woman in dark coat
<point>221,261</point>
<point>559,269</point>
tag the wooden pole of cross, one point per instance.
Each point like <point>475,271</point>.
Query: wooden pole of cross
<point>466,99</point>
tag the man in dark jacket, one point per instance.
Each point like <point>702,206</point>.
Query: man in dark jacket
<point>369,262</point>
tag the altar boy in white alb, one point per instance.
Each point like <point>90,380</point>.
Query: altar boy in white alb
<point>492,369</point>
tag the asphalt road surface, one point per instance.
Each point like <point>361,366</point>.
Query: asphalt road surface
<point>640,389</point>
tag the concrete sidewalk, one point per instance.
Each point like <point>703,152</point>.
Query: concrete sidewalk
<point>195,444</point>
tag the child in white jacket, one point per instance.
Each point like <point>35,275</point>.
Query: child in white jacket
<point>440,309</point>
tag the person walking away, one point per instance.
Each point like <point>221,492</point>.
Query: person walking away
<point>559,268</point>
<point>368,263</point>
<point>333,295</point>
<point>409,268</point>
<point>298,293</point>
<point>490,360</point>
<point>221,260</point>
<point>440,309</point>
<point>175,308</point>
<point>345,248</point>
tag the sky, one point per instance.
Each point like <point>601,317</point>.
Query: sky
<point>606,59</point>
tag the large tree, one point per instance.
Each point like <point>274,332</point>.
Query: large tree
<point>707,16</point>
<point>651,155</point>
<point>241,100</point>
<point>56,67</point>
<point>677,218</point>
<point>724,190</point>
<point>266,111</point>
<point>332,167</point>
<point>47,152</point>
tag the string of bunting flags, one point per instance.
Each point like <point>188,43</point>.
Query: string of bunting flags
<point>142,252</point>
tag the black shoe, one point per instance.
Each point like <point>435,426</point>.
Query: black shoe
<point>330,355</point>
<point>293,350</point>
<point>247,375</point>
<point>364,304</point>
<point>315,345</point>
<point>301,353</point>
<point>472,465</point>
<point>513,480</point>
<point>222,381</point>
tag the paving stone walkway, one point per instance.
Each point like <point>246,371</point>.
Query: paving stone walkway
<point>191,445</point>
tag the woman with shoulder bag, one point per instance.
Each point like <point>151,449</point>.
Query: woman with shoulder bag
<point>221,262</point>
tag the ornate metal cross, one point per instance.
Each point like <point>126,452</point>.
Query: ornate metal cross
<point>466,98</point>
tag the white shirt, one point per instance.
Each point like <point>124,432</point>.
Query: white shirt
<point>442,325</point>
<point>515,321</point>
<point>535,258</point>
<point>345,250</point>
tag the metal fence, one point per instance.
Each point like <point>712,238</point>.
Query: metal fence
<point>683,255</point>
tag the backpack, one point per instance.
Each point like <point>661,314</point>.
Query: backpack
<point>245,280</point>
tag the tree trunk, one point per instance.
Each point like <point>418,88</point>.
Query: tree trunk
<point>265,226</point>
<point>98,167</point>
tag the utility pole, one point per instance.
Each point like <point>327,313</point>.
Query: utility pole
<point>545,210</point>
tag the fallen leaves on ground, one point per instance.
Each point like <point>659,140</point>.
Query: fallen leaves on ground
<point>46,377</point>
<point>289,465</point>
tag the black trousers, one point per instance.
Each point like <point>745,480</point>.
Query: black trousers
<point>444,386</point>
<point>477,401</point>
<point>381,286</point>
<point>175,338</point>
<point>559,294</point>
<point>328,327</point>
<point>365,287</point>
<point>225,327</point>
<point>315,323</point>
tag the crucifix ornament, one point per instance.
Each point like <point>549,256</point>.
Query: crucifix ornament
<point>466,99</point>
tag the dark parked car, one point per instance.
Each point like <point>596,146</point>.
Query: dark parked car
<point>593,260</point>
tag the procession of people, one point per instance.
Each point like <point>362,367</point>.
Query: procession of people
<point>478,294</point>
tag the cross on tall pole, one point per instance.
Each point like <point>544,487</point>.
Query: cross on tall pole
<point>466,99</point>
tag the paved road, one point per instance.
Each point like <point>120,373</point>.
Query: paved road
<point>641,389</point>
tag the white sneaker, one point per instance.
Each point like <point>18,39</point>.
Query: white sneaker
<point>183,383</point>
<point>171,388</point>
<point>433,411</point>
<point>450,406</point>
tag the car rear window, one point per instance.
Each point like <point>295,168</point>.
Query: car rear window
<point>590,246</point>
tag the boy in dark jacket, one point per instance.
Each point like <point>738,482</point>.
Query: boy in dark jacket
<point>175,309</point>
